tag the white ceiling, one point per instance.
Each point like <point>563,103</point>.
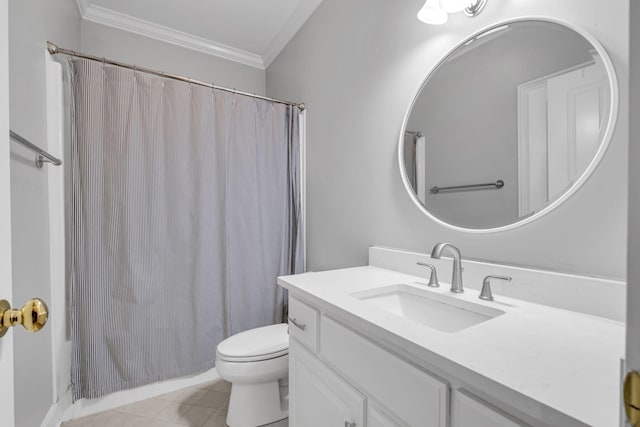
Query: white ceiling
<point>252,32</point>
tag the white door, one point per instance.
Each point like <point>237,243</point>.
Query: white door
<point>560,122</point>
<point>633,276</point>
<point>576,105</point>
<point>6,343</point>
<point>319,398</point>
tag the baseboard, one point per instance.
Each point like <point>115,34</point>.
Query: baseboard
<point>54,416</point>
<point>84,407</point>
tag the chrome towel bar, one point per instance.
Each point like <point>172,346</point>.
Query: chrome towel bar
<point>41,155</point>
<point>497,185</point>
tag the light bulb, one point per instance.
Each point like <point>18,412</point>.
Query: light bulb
<point>453,6</point>
<point>431,13</point>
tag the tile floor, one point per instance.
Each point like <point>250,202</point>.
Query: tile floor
<point>199,406</point>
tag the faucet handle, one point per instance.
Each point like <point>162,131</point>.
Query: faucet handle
<point>485,293</point>
<point>433,278</point>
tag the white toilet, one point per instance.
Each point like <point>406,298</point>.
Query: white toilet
<point>256,363</point>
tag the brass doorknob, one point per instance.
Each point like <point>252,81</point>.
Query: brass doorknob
<point>33,315</point>
<point>632,398</point>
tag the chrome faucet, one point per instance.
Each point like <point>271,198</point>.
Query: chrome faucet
<point>456,279</point>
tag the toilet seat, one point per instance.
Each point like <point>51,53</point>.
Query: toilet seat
<point>268,342</point>
<point>256,363</point>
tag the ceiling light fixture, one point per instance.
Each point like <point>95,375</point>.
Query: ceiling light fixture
<point>436,12</point>
<point>474,8</point>
<point>453,6</point>
<point>432,13</point>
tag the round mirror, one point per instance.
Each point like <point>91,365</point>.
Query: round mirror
<point>508,125</point>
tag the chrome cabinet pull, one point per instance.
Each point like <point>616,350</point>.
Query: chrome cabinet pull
<point>300,326</point>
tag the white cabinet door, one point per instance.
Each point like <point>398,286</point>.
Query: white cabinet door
<point>376,418</point>
<point>318,397</point>
<point>469,412</point>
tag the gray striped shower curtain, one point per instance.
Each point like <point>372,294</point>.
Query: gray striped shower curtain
<point>184,208</point>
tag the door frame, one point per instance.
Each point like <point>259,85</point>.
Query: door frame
<point>633,268</point>
<point>7,407</point>
<point>633,251</point>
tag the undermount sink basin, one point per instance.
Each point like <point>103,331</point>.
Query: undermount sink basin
<point>431,309</point>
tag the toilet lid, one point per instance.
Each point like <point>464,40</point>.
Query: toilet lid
<point>256,344</point>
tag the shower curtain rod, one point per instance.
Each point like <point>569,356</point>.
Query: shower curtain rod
<point>55,50</point>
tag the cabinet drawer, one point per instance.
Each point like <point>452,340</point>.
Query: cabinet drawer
<point>470,411</point>
<point>303,323</point>
<point>411,395</point>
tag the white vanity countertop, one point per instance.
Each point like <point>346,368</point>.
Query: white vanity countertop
<point>567,361</point>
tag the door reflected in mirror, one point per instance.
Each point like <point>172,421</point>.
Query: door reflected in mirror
<point>508,125</point>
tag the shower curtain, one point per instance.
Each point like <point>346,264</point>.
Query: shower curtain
<point>185,207</point>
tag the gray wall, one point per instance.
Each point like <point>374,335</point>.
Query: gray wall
<point>358,64</point>
<point>468,112</point>
<point>31,24</point>
<point>124,46</point>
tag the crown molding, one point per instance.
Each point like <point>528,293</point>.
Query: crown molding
<point>83,5</point>
<point>141,27</point>
<point>111,18</point>
<point>303,11</point>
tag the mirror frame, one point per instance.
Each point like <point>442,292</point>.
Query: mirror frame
<point>604,144</point>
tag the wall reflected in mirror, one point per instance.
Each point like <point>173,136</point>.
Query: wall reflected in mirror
<point>527,103</point>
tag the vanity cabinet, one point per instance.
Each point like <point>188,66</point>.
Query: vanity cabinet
<point>414,366</point>
<point>340,378</point>
<point>349,375</point>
